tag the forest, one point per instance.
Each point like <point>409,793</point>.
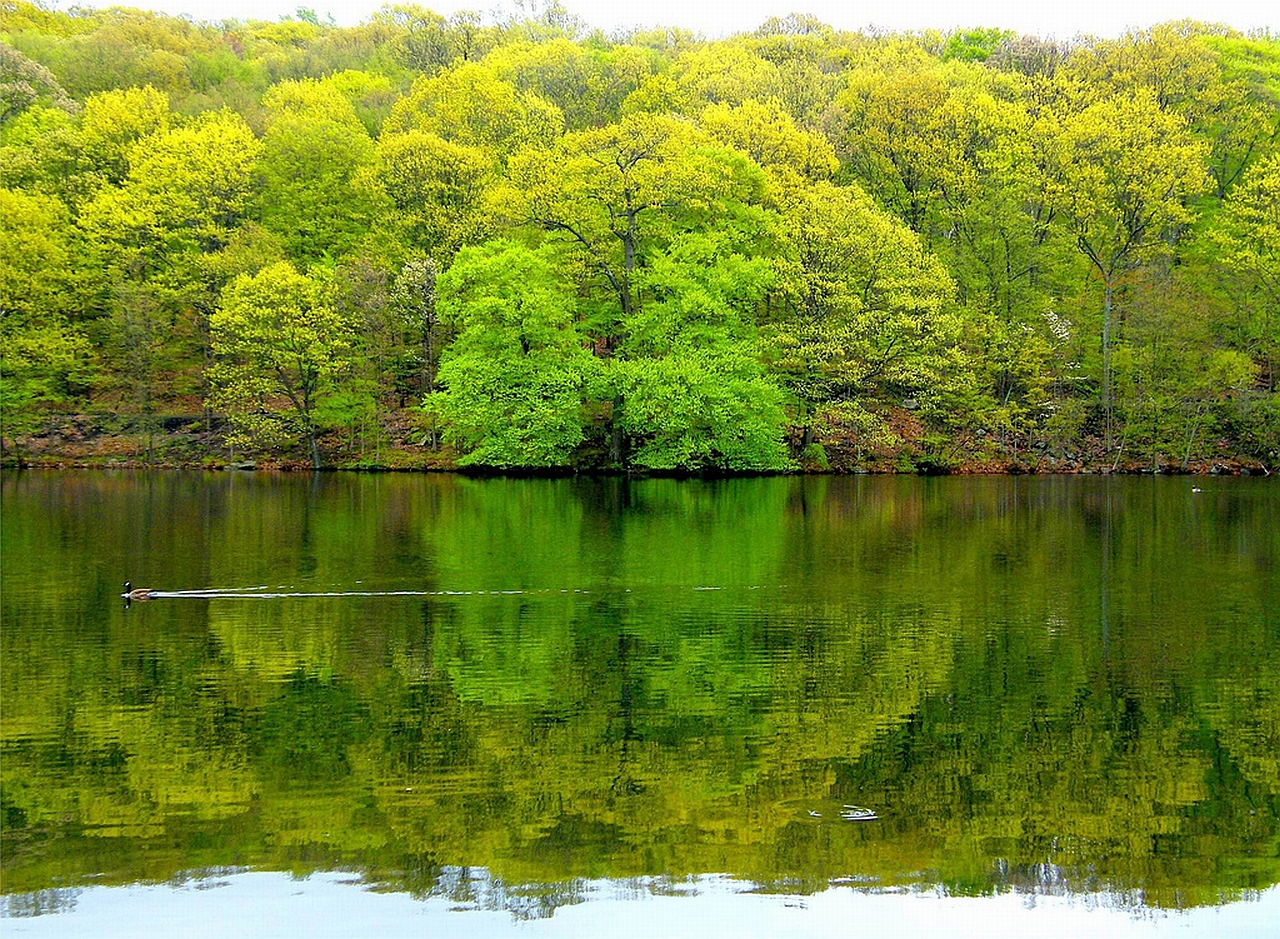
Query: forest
<point>522,245</point>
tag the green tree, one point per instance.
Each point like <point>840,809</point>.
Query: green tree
<point>1180,388</point>
<point>45,366</point>
<point>424,41</point>
<point>46,363</point>
<point>187,192</point>
<point>39,152</point>
<point>516,378</point>
<point>281,350</point>
<point>714,73</point>
<point>769,135</point>
<point>690,391</point>
<point>1211,77</point>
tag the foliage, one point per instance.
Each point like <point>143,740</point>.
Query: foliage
<point>312,153</point>
<point>43,367</point>
<point>516,377</point>
<point>971,244</point>
<point>281,350</point>
<point>690,389</point>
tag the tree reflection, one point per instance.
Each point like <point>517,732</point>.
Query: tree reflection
<point>656,679</point>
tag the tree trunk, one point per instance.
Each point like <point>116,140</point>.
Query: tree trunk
<point>1106,358</point>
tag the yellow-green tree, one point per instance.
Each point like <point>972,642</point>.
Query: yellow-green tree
<point>863,311</point>
<point>1119,174</point>
<point>619,193</point>
<point>436,189</point>
<point>313,150</point>
<point>468,105</point>
<point>281,349</point>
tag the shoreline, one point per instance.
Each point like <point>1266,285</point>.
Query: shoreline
<point>92,442</point>
<point>992,468</point>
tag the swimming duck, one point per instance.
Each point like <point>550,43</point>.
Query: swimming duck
<point>140,593</point>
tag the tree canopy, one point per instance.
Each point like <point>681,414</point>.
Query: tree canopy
<point>799,247</point>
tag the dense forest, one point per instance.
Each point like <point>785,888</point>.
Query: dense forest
<point>468,241</point>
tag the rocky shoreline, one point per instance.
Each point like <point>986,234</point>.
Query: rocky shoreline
<point>189,442</point>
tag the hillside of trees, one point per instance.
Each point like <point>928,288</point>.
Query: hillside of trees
<point>519,244</point>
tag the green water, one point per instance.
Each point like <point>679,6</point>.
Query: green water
<point>1055,687</point>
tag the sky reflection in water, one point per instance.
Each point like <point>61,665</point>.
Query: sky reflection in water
<point>251,905</point>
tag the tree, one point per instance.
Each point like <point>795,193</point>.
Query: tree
<point>425,41</point>
<point>414,304</point>
<point>24,83</point>
<point>1119,173</point>
<point>44,366</point>
<point>1195,71</point>
<point>36,276</point>
<point>187,190</point>
<point>436,188</point>
<point>862,311</point>
<point>588,84</point>
<point>1248,261</point>
<point>45,361</point>
<point>717,73</point>
<point>39,152</point>
<point>988,221</point>
<point>618,199</point>
<point>889,138</point>
<point>1248,243</point>
<point>112,122</point>
<point>468,105</point>
<point>516,377</point>
<point>1242,117</point>
<point>617,195</point>
<point>689,389</point>
<point>281,350</point>
<point>1179,388</point>
<point>769,135</point>
<point>312,152</point>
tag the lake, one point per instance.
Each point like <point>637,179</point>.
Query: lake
<point>433,703</point>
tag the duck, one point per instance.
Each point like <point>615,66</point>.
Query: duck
<point>138,593</point>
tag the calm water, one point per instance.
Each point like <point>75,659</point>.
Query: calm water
<point>467,706</point>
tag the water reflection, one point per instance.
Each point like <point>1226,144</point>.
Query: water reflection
<point>477,904</point>
<point>1041,686</point>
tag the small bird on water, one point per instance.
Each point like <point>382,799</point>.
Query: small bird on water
<point>140,593</point>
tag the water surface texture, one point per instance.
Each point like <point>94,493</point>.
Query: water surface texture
<point>528,697</point>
